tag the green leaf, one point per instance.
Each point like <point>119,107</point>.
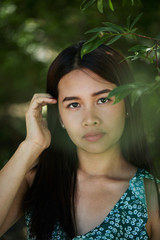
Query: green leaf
<point>120,92</point>
<point>126,58</point>
<point>154,86</point>
<point>85,4</point>
<point>135,95</point>
<point>141,89</point>
<point>115,27</point>
<point>100,5</point>
<point>111,29</point>
<point>114,39</point>
<point>111,5</point>
<point>132,2</point>
<point>92,44</point>
<point>138,55</point>
<point>123,89</point>
<point>100,29</point>
<point>139,48</point>
<point>91,39</point>
<point>134,89</point>
<point>133,30</point>
<point>136,20</point>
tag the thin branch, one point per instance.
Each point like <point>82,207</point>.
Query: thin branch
<point>138,35</point>
<point>150,38</point>
<point>157,65</point>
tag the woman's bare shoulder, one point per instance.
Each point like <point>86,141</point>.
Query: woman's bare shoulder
<point>153,207</point>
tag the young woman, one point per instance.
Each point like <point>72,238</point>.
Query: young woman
<point>90,180</point>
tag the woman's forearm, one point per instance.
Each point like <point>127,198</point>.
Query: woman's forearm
<point>12,176</point>
<point>13,173</point>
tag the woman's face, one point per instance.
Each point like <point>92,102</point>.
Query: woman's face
<point>93,123</point>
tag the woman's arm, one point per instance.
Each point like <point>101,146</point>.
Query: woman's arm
<point>153,209</point>
<point>15,211</point>
<point>13,184</point>
<point>156,219</point>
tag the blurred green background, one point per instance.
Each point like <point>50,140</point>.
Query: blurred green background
<point>32,33</point>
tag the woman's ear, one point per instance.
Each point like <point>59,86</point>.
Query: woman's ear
<point>61,122</point>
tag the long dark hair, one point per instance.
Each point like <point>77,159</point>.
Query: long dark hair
<point>51,197</point>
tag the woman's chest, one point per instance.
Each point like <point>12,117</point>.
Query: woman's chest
<point>94,202</point>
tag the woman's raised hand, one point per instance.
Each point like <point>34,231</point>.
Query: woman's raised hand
<point>37,131</point>
<point>13,180</point>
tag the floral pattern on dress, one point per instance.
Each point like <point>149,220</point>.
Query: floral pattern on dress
<point>126,220</point>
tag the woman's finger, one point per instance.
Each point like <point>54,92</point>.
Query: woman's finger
<point>42,95</point>
<point>38,101</point>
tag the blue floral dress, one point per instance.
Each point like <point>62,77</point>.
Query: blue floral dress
<point>126,220</point>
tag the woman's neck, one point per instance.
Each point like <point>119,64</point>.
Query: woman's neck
<point>110,163</point>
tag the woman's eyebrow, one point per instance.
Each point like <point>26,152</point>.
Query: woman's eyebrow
<point>100,92</point>
<point>70,98</point>
<point>93,94</point>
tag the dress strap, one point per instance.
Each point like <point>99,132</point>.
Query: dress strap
<point>138,186</point>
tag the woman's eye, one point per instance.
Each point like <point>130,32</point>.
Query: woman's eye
<point>73,105</point>
<point>103,100</point>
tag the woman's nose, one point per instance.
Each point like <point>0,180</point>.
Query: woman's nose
<point>90,119</point>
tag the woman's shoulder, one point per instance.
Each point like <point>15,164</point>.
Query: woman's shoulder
<point>144,184</point>
<point>152,191</point>
<point>152,194</point>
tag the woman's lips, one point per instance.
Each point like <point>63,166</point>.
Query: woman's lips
<point>92,137</point>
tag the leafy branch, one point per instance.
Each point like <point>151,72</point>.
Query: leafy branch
<point>100,5</point>
<point>135,90</point>
<point>110,33</point>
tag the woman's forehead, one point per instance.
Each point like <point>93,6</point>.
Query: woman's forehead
<point>82,79</point>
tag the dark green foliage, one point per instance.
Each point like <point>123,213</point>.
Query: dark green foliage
<point>33,32</point>
<point>135,90</point>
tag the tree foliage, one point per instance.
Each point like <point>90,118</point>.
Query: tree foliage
<point>33,32</point>
<point>111,33</point>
